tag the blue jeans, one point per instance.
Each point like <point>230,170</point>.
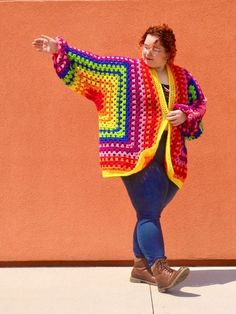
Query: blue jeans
<point>150,190</point>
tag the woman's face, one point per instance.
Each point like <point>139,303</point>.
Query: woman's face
<point>153,53</point>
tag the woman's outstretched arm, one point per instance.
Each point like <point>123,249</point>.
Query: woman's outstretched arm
<point>98,78</point>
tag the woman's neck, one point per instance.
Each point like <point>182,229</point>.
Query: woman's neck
<point>161,69</point>
<point>163,74</point>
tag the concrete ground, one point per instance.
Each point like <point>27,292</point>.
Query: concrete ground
<point>107,290</point>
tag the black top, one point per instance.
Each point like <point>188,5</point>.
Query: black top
<point>165,88</point>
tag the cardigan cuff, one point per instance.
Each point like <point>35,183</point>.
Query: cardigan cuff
<point>191,127</point>
<point>60,58</point>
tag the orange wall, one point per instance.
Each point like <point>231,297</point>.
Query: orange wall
<point>54,203</point>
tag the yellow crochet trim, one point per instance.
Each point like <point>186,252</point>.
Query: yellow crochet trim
<point>165,109</point>
<point>170,170</point>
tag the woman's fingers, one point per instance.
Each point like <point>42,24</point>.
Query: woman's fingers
<point>174,123</point>
<point>46,37</point>
<point>45,44</point>
<point>176,117</point>
<point>42,43</point>
<point>42,40</point>
<point>38,43</point>
<point>171,118</point>
<point>172,113</point>
<point>38,40</point>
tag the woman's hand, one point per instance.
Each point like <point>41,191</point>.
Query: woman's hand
<point>45,44</point>
<point>176,117</point>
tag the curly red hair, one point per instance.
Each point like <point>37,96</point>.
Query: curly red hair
<point>166,37</point>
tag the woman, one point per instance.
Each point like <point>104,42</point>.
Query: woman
<point>147,108</point>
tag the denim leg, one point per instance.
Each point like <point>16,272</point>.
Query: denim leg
<point>150,190</point>
<point>147,190</point>
<point>136,249</point>
<point>172,190</point>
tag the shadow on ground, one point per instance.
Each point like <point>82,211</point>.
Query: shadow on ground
<point>209,277</point>
<point>203,278</point>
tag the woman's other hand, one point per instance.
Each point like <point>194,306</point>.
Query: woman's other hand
<point>45,44</point>
<point>176,117</point>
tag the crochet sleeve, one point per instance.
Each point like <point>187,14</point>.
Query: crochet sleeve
<point>92,76</point>
<point>195,109</point>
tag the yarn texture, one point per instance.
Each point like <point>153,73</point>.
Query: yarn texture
<point>132,109</point>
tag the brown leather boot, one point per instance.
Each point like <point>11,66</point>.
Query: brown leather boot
<point>167,277</point>
<point>141,272</point>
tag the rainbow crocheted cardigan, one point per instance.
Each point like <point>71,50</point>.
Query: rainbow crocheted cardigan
<point>132,109</point>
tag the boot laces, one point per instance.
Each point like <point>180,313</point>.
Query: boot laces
<point>164,266</point>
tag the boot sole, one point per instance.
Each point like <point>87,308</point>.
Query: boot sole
<point>181,277</point>
<point>137,280</point>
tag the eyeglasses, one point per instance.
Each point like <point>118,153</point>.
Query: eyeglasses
<point>155,50</point>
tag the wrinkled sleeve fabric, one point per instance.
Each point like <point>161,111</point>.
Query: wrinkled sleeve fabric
<point>195,109</point>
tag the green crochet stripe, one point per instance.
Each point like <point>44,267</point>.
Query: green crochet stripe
<point>95,65</point>
<point>107,71</point>
<point>192,93</point>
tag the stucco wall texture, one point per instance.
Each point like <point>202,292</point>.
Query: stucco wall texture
<point>54,204</point>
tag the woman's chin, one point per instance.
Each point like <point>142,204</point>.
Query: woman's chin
<point>150,63</point>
